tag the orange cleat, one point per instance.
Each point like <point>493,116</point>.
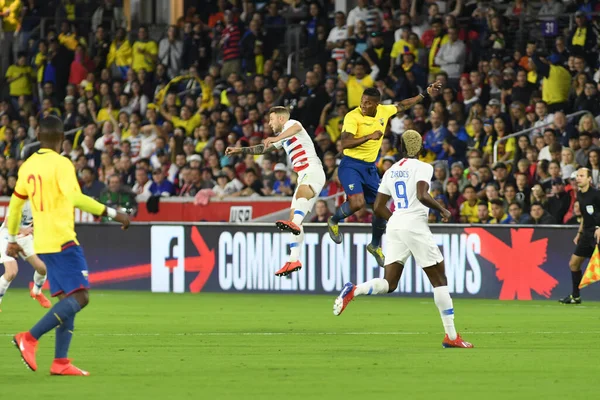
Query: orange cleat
<point>63,366</point>
<point>27,346</point>
<point>458,342</point>
<point>288,226</point>
<point>43,300</point>
<point>288,268</point>
<point>345,297</point>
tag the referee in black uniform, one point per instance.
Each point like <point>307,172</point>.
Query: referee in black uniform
<point>588,234</point>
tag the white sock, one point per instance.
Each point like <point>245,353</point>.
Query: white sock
<point>443,301</point>
<point>300,210</point>
<point>374,286</point>
<point>295,246</point>
<point>4,284</point>
<point>38,282</point>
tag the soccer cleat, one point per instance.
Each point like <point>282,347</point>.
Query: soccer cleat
<point>334,231</point>
<point>43,300</point>
<point>345,297</point>
<point>288,268</point>
<point>377,253</point>
<point>27,346</point>
<point>288,226</point>
<point>456,343</point>
<point>63,366</point>
<point>570,300</point>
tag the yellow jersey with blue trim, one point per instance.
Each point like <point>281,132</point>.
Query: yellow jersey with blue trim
<point>359,125</point>
<point>47,179</point>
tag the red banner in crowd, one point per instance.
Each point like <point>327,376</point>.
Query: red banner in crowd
<point>176,210</point>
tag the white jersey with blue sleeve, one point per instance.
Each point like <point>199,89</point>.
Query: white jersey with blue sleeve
<point>26,217</point>
<point>400,182</point>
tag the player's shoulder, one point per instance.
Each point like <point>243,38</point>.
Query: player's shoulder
<point>292,122</point>
<point>388,109</point>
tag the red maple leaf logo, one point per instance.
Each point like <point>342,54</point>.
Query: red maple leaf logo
<point>519,266</point>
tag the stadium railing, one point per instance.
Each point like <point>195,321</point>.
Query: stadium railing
<point>525,131</point>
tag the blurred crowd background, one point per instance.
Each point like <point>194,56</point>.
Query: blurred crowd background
<point>150,110</point>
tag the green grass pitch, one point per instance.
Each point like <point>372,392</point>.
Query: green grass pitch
<point>237,346</point>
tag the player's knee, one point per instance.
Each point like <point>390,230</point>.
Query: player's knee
<point>356,203</point>
<point>83,298</point>
<point>10,273</point>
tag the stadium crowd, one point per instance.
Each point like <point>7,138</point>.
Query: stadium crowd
<point>152,118</point>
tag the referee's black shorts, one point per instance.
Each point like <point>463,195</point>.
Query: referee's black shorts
<point>586,245</point>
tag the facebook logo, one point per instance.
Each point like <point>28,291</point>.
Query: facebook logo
<point>168,259</point>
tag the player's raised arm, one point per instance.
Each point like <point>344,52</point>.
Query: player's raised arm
<point>432,90</point>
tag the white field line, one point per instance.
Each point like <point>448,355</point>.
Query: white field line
<point>328,333</point>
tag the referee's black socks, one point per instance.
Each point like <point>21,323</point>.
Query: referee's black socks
<point>576,277</point>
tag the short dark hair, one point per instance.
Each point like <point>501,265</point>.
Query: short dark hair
<point>51,129</point>
<point>515,203</point>
<point>469,186</point>
<point>372,92</point>
<point>536,203</point>
<point>89,169</point>
<point>482,203</point>
<point>497,202</point>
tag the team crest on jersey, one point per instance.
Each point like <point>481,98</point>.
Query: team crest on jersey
<point>589,209</point>
<point>351,186</point>
<point>381,121</point>
<point>85,274</point>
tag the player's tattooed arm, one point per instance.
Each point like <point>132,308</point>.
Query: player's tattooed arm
<point>255,150</point>
<point>432,90</point>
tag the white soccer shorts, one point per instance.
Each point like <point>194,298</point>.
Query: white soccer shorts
<point>401,243</point>
<point>313,177</point>
<point>26,243</point>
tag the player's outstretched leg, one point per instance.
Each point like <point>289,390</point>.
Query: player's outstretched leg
<point>62,311</point>
<point>301,205</point>
<point>39,278</point>
<point>576,274</point>
<point>378,229</point>
<point>443,301</point>
<point>387,284</point>
<point>10,273</point>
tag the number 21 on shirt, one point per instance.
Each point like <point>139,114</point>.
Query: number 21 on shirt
<point>401,194</point>
<point>36,182</point>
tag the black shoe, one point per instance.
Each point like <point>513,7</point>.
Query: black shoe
<point>570,300</point>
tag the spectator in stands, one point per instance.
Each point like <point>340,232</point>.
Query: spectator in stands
<point>588,100</point>
<point>118,196</point>
<point>516,214</point>
<point>337,35</point>
<point>582,38</point>
<point>282,186</point>
<point>498,214</point>
<point>119,56</point>
<point>160,185</point>
<point>372,16</point>
<point>576,218</point>
<point>594,166</point>
<point>107,16</point>
<point>434,139</point>
<point>539,216</point>
<point>230,46</point>
<point>322,212</point>
<point>90,186</point>
<point>585,145</point>
<point>451,57</point>
<point>559,201</point>
<point>144,53</point>
<point>483,213</point>
<point>557,82</point>
<point>141,188</point>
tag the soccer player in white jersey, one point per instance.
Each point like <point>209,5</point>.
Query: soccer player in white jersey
<point>300,149</point>
<point>407,182</point>
<point>25,240</point>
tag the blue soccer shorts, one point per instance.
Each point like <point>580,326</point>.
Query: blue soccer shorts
<point>357,177</point>
<point>67,270</point>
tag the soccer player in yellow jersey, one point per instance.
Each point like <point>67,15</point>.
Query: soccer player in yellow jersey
<point>48,181</point>
<point>361,138</point>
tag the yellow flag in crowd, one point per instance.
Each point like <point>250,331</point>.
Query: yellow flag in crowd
<point>592,273</point>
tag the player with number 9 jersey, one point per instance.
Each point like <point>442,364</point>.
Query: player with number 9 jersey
<point>407,184</point>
